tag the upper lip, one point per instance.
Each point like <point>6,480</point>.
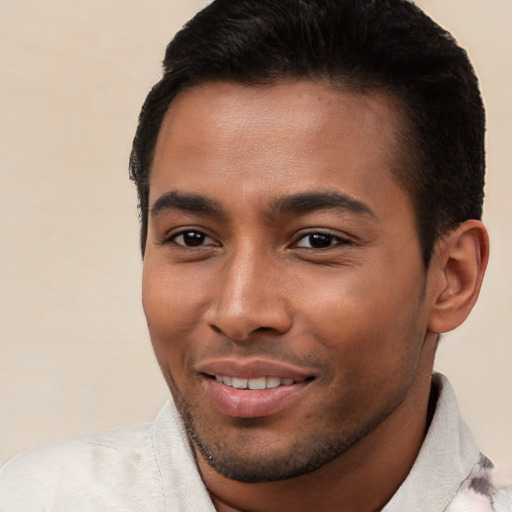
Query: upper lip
<point>253,368</point>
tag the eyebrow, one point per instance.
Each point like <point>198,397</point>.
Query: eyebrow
<point>193,203</point>
<point>312,201</point>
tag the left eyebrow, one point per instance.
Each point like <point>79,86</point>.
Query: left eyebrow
<point>308,202</point>
<point>193,203</point>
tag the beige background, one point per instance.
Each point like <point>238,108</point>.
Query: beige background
<point>74,352</point>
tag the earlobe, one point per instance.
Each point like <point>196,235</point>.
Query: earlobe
<point>459,263</point>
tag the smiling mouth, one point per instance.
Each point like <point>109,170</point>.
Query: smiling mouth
<point>256,383</point>
<point>246,396</point>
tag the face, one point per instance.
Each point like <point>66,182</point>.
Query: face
<point>283,284</point>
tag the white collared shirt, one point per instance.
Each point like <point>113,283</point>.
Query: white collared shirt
<point>151,468</point>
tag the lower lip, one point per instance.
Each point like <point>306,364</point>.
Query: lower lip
<point>248,403</point>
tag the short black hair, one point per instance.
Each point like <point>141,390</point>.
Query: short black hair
<point>359,45</point>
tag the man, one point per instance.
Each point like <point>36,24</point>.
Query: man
<point>310,177</point>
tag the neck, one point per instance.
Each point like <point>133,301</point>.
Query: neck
<point>362,479</point>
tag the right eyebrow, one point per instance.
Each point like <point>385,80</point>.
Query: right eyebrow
<point>311,201</point>
<point>194,203</point>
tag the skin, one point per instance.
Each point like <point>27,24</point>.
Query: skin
<point>333,288</point>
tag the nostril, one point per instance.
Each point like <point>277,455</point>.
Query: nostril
<point>216,329</point>
<point>240,323</point>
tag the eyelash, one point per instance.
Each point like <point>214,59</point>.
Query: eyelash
<point>334,240</point>
<point>200,236</point>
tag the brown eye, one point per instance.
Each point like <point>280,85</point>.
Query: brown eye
<point>192,238</point>
<point>319,240</point>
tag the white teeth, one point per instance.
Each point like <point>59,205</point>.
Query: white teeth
<point>239,383</point>
<point>273,382</point>
<point>258,383</point>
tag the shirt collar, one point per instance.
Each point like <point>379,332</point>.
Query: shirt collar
<point>447,456</point>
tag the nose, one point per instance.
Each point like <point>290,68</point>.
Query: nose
<point>249,298</point>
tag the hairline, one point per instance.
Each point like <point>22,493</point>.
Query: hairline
<point>401,157</point>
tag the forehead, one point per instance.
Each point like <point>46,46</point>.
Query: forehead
<point>266,138</point>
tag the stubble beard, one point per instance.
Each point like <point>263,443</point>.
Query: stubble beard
<point>239,460</point>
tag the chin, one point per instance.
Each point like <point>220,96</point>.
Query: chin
<point>252,453</point>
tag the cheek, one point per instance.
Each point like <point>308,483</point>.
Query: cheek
<point>171,295</point>
<point>173,302</point>
<point>366,321</point>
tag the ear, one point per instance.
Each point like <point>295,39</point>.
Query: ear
<point>456,271</point>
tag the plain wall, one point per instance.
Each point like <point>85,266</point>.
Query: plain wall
<point>75,356</point>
